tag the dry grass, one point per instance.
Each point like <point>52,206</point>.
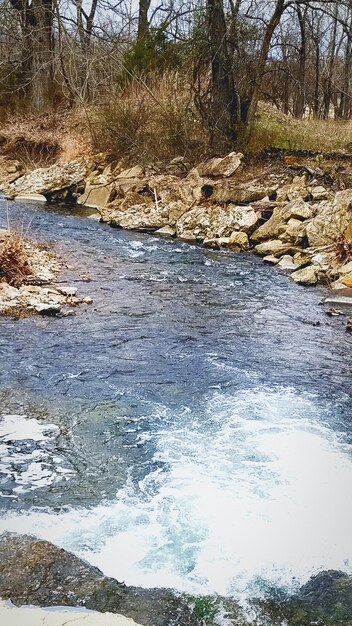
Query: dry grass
<point>274,129</point>
<point>40,140</point>
<point>151,124</point>
<point>14,260</point>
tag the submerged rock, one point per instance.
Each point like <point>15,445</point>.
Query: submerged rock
<point>326,597</point>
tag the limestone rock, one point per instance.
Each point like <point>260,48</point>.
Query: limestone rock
<point>131,172</point>
<point>297,209</point>
<point>30,197</point>
<point>319,193</point>
<point>331,219</point>
<point>213,222</point>
<point>136,217</point>
<point>270,258</point>
<point>293,190</point>
<point>10,170</point>
<point>47,309</point>
<point>345,269</point>
<point>271,227</point>
<point>168,231</point>
<point>245,217</point>
<point>287,263</point>
<point>274,247</point>
<point>307,275</point>
<point>49,181</point>
<point>238,241</point>
<point>195,224</point>
<point>223,191</point>
<point>221,166</point>
<point>294,231</point>
<point>97,196</point>
<point>343,200</point>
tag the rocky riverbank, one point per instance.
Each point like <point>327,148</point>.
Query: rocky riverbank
<point>28,274</point>
<point>38,573</point>
<point>295,212</point>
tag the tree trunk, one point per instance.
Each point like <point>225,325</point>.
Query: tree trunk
<point>300,100</point>
<point>263,55</point>
<point>224,108</point>
<point>37,30</point>
<point>329,77</point>
<point>143,24</point>
<point>317,79</point>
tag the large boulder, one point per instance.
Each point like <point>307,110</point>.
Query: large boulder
<point>223,191</point>
<point>37,572</point>
<point>280,219</point>
<point>143,217</point>
<point>57,182</point>
<point>213,222</point>
<point>271,228</point>
<point>307,275</point>
<point>274,247</point>
<point>331,220</point>
<point>97,195</point>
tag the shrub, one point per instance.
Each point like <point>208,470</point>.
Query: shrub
<point>154,123</point>
<point>152,53</point>
<point>14,263</point>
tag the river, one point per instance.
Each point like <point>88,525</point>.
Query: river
<point>191,428</point>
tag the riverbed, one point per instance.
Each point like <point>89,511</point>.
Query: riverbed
<point>189,429</point>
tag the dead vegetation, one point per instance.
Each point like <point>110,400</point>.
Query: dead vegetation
<point>15,265</point>
<point>155,123</point>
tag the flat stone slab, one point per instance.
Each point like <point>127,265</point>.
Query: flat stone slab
<point>30,197</point>
<point>339,301</point>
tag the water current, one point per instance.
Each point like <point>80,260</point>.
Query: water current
<point>191,428</point>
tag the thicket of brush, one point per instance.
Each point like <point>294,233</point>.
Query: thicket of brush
<point>14,261</point>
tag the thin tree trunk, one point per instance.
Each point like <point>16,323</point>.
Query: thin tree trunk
<point>224,114</point>
<point>299,104</point>
<point>328,80</point>
<point>262,59</point>
<point>143,23</point>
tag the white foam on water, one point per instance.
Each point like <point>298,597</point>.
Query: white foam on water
<point>256,490</point>
<point>25,462</point>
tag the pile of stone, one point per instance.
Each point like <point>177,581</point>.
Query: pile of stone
<point>292,221</point>
<point>288,217</point>
<point>36,291</point>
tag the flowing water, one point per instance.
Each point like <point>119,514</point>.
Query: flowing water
<point>191,428</point>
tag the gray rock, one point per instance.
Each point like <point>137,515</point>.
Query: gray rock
<point>274,247</point>
<point>287,263</point>
<point>30,197</point>
<point>168,231</point>
<point>47,308</point>
<point>307,275</point>
<point>221,166</point>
